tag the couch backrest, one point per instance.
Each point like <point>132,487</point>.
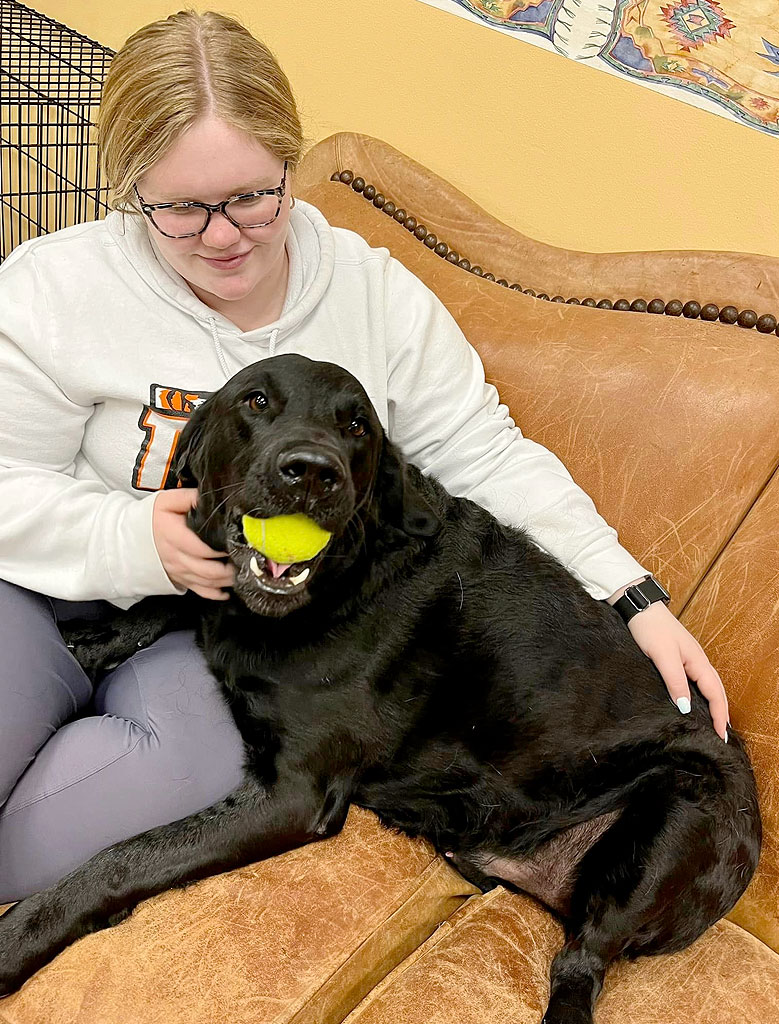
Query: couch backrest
<point>670,424</point>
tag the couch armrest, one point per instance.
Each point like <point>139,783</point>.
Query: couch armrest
<point>733,614</point>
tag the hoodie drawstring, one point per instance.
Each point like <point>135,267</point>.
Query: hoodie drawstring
<point>218,347</point>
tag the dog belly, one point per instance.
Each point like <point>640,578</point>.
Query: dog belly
<point>549,873</point>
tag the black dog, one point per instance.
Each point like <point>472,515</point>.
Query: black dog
<point>432,666</point>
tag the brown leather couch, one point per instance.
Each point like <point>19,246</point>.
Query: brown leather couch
<point>672,425</point>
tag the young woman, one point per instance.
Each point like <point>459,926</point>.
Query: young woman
<point>111,333</point>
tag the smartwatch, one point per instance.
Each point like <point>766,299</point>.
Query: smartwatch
<point>639,596</point>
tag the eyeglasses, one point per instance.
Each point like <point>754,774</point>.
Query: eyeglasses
<point>248,210</point>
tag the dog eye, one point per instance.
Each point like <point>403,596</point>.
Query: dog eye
<point>358,427</point>
<point>256,400</point>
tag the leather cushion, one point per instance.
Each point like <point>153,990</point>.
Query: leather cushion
<point>299,938</point>
<point>489,964</point>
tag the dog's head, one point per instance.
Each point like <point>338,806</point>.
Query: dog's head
<point>291,435</point>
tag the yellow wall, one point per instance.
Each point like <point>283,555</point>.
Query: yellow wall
<point>564,153</point>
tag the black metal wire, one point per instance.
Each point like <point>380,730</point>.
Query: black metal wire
<point>50,82</point>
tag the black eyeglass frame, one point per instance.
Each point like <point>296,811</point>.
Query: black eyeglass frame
<point>149,208</point>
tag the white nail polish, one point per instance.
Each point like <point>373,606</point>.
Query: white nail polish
<point>683,703</point>
<point>726,735</point>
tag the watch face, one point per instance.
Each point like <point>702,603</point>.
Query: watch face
<point>661,588</point>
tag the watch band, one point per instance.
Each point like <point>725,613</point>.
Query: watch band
<point>638,597</point>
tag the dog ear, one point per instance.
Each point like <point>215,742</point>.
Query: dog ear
<point>190,464</point>
<point>402,503</point>
<point>189,456</point>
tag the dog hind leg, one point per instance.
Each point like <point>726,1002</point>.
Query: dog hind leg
<point>663,873</point>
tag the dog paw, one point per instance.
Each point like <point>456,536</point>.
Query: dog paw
<point>35,930</point>
<point>15,964</point>
<point>97,647</point>
<point>567,1015</point>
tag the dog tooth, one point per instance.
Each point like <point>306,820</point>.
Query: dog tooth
<point>299,579</point>
<point>254,567</point>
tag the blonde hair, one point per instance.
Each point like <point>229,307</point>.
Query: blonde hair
<point>172,72</point>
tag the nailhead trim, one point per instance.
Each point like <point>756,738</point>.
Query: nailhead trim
<point>748,318</point>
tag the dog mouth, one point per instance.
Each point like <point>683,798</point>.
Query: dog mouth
<point>258,574</point>
<point>279,577</point>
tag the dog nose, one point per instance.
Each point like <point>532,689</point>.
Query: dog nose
<point>316,470</point>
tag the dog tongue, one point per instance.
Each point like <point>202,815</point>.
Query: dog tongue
<point>276,569</point>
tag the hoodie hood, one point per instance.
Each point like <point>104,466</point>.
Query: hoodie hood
<point>311,250</point>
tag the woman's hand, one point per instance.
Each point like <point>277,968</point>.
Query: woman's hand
<point>678,656</point>
<point>186,559</point>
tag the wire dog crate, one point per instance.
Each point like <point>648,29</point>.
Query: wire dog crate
<point>50,83</point>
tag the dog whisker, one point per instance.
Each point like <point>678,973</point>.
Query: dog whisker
<point>216,509</point>
<point>213,490</point>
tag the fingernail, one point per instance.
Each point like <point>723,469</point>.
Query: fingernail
<point>726,735</point>
<point>683,703</point>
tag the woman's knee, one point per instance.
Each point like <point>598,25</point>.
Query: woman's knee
<point>162,746</point>
<point>41,683</point>
<point>169,691</point>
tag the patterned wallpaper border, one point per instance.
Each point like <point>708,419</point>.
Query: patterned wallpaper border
<point>720,55</point>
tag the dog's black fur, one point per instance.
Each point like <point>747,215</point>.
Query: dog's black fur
<point>435,667</point>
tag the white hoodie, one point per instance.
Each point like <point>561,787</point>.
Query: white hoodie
<point>105,350</point>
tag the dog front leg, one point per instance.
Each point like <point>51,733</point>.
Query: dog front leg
<point>250,824</point>
<point>99,645</point>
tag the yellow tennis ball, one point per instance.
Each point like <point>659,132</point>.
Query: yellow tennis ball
<point>285,539</point>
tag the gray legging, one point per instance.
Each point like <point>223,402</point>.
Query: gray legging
<point>81,770</point>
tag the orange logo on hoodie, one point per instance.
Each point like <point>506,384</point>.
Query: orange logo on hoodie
<point>162,420</point>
